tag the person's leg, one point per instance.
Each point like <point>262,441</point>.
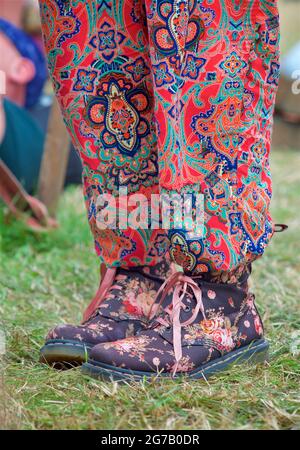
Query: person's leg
<point>215,68</point>
<point>99,63</point>
<point>98,59</point>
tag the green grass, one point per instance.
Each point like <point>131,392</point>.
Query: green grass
<point>49,278</point>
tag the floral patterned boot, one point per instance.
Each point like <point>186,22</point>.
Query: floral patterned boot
<point>119,310</point>
<point>206,326</point>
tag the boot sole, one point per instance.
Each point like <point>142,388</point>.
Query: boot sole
<point>254,353</point>
<point>64,354</point>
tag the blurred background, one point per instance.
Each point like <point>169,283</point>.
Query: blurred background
<point>30,121</point>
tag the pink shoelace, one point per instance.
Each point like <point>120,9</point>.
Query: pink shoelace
<point>180,283</point>
<point>107,279</point>
<point>177,281</point>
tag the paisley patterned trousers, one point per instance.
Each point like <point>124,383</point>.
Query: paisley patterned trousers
<point>171,96</point>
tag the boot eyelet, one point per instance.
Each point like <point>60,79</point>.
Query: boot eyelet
<point>187,308</point>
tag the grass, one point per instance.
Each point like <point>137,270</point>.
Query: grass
<point>49,278</point>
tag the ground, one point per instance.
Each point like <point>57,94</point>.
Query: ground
<point>48,279</point>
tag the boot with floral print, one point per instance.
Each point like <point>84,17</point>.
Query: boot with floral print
<point>206,326</point>
<point>119,310</point>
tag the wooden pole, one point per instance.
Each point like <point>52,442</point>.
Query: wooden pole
<point>55,160</point>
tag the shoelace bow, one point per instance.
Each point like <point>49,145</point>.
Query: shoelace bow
<point>180,282</point>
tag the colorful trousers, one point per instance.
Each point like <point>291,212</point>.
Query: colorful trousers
<point>171,96</point>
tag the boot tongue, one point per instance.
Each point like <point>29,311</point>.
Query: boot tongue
<point>237,277</point>
<point>130,297</point>
<point>160,271</point>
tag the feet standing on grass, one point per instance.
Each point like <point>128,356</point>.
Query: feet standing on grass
<point>127,297</point>
<point>147,327</point>
<point>206,326</point>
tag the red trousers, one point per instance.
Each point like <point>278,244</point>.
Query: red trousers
<point>171,96</point>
